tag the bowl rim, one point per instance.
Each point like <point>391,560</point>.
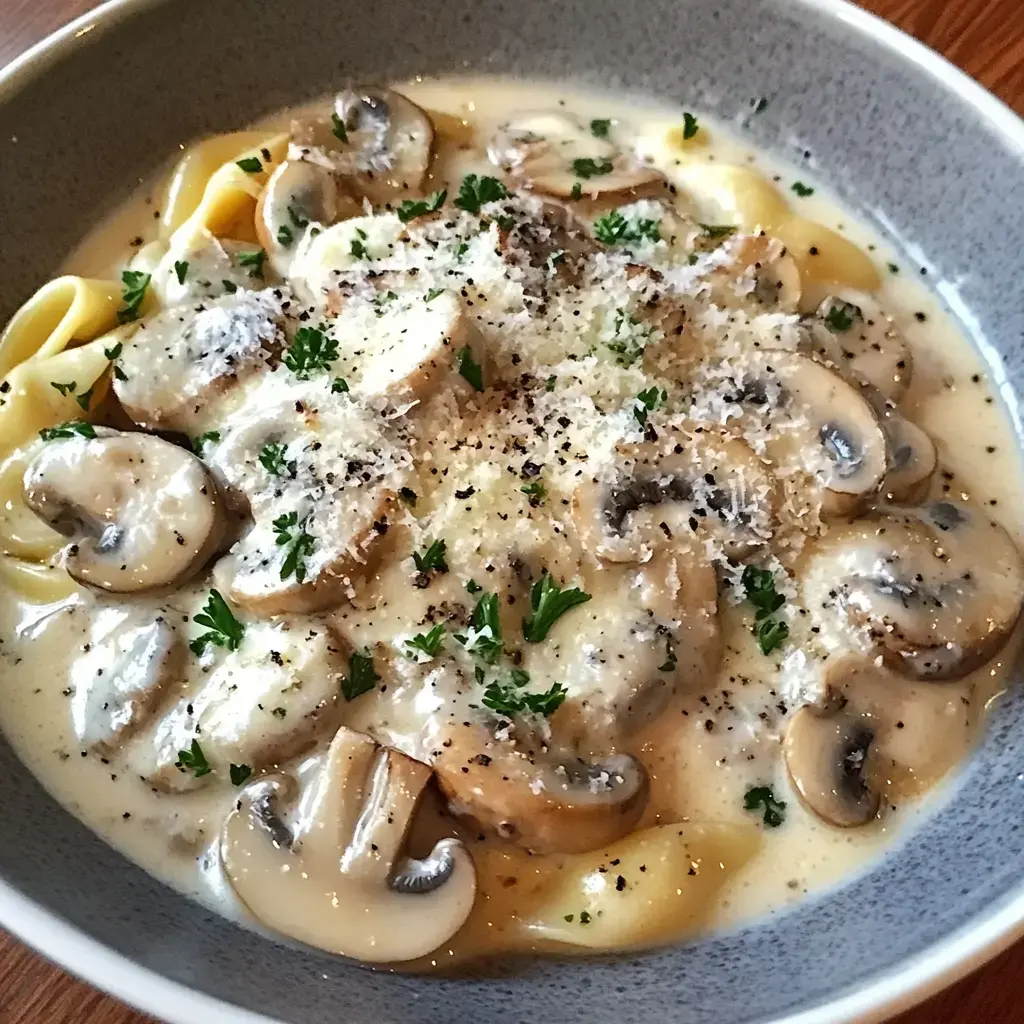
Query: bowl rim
<point>903,986</point>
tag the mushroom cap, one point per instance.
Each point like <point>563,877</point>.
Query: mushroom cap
<point>337,881</point>
<point>840,431</point>
<point>387,146</point>
<point>545,803</point>
<point>553,240</point>
<point>760,275</point>
<point>537,150</point>
<point>912,460</point>
<point>141,513</point>
<point>939,588</point>
<point>662,493</point>
<point>827,752</point>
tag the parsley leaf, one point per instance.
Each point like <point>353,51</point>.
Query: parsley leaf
<point>224,630</point>
<point>292,534</point>
<point>535,491</point>
<point>473,587</point>
<point>210,437</point>
<point>229,286</point>
<point>431,559</point>
<point>576,192</point>
<point>357,248</point>
<point>648,401</point>
<point>771,634</point>
<point>254,261</point>
<point>311,351</point>
<point>85,398</point>
<point>840,318</point>
<point>194,760</point>
<point>135,283</point>
<point>430,643</point>
<point>599,128</point>
<point>485,622</point>
<point>613,229</point>
<point>549,603</point>
<point>587,167</point>
<point>272,458</point>
<point>549,384</point>
<point>362,676</point>
<point>239,773</point>
<point>759,797</point>
<point>339,386</point>
<point>475,191</point>
<point>338,129</point>
<point>690,126</point>
<point>285,235</point>
<point>64,389</point>
<point>718,230</point>
<point>410,209</point>
<point>181,270</point>
<point>802,190</point>
<point>510,699</point>
<point>250,164</point>
<point>433,294</point>
<point>113,353</point>
<point>469,368</point>
<point>70,429</point>
<point>759,585</point>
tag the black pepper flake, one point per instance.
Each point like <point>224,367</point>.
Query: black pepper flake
<point>467,493</point>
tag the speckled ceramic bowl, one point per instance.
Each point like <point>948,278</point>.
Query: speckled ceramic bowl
<point>921,151</point>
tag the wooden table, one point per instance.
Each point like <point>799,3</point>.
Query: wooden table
<point>986,39</point>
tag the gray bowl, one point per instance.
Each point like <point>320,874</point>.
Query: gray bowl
<point>905,139</point>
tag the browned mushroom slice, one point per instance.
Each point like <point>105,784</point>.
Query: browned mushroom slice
<point>546,803</point>
<point>827,752</point>
<point>912,460</point>
<point>939,588</point>
<point>182,357</point>
<point>555,153</point>
<point>141,513</point>
<point>685,483</point>
<point>837,429</point>
<point>378,141</point>
<point>760,275</point>
<point>338,880</point>
<point>552,245</point>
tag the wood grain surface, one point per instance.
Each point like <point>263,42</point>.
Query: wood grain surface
<point>986,39</point>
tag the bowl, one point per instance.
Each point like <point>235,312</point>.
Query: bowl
<point>909,143</point>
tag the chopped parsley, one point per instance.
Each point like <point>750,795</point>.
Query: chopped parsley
<point>113,353</point>
<point>433,294</point>
<point>239,773</point>
<point>628,343</point>
<point>64,389</point>
<point>408,495</point>
<point>285,235</point>
<point>584,917</point>
<point>382,300</point>
<point>223,629</point>
<point>475,191</point>
<point>802,190</point>
<point>272,458</point>
<point>614,229</point>
<point>718,230</point>
<point>759,585</point>
<point>576,192</point>
<point>280,713</point>
<point>194,760</point>
<point>484,638</point>
<point>358,248</point>
<point>469,368</point>
<point>690,126</point>
<point>430,643</point>
<point>599,127</point>
<point>431,559</point>
<point>311,351</point>
<point>250,164</point>
<point>362,676</point>
<point>229,286</point>
<point>549,384</point>
<point>549,602</point>
<point>535,491</point>
<point>759,797</point>
<point>85,398</point>
<point>511,699</point>
<point>296,217</point>
<point>410,209</point>
<point>210,437</point>
<point>292,535</point>
<point>181,270</point>
<point>134,285</point>
<point>253,261</point>
<point>70,429</point>
<point>338,129</point>
<point>587,167</point>
<point>839,318</point>
<point>473,587</point>
<point>646,402</point>
<point>339,386</point>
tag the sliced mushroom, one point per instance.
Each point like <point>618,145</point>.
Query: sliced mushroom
<point>912,460</point>
<point>853,333</point>
<point>554,152</point>
<point>687,482</point>
<point>183,357</point>
<point>547,803</point>
<point>141,512</point>
<point>203,267</point>
<point>336,880</point>
<point>121,678</point>
<point>827,419</point>
<point>938,588</point>
<point>760,275</point>
<point>376,139</point>
<point>554,245</point>
<point>827,753</point>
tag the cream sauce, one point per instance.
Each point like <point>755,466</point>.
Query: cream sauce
<point>702,754</point>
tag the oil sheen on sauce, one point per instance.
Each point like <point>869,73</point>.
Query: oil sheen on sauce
<point>702,755</point>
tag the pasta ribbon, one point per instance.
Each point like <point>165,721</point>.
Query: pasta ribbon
<point>209,189</point>
<point>40,584</point>
<point>22,533</point>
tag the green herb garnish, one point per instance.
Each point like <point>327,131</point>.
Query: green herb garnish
<point>311,351</point>
<point>339,386</point>
<point>410,209</point>
<point>549,603</point>
<point>181,270</point>
<point>250,164</point>
<point>759,797</point>
<point>358,248</point>
<point>362,676</point>
<point>718,230</point>
<point>802,190</point>
<point>469,368</point>
<point>759,585</point>
<point>239,773</point>
<point>474,192</point>
<point>690,126</point>
<point>431,559</point>
<point>224,630</point>
<point>194,760</point>
<point>134,283</point>
<point>576,192</point>
<point>229,286</point>
<point>272,458</point>
<point>113,353</point>
<point>510,699</point>
<point>584,917</point>
<point>430,643</point>
<point>599,128</point>
<point>486,642</point>
<point>433,294</point>
<point>647,402</point>
<point>285,236</point>
<point>64,389</point>
<point>771,634</point>
<point>210,437</point>
<point>254,261</point>
<point>338,129</point>
<point>70,429</point>
<point>614,229</point>
<point>473,587</point>
<point>839,318</point>
<point>85,398</point>
<point>291,533</point>
<point>535,491</point>
<point>587,167</point>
